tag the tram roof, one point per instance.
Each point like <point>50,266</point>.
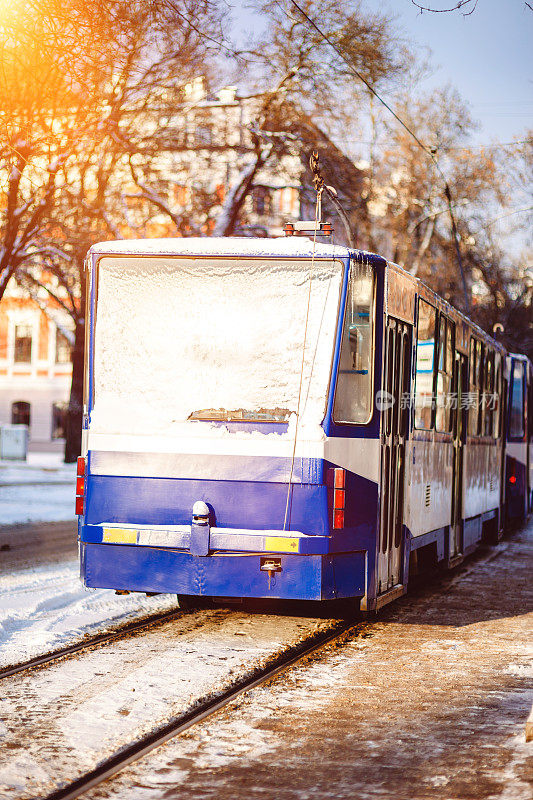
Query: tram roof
<point>288,247</point>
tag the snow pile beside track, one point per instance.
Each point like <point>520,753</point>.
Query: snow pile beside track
<point>47,607</point>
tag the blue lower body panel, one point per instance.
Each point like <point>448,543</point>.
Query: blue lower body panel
<point>150,569</point>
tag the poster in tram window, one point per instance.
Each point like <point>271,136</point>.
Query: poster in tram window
<point>424,356</point>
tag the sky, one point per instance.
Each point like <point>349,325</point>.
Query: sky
<point>487,56</point>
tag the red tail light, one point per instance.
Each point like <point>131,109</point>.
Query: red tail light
<point>337,480</point>
<point>340,479</point>
<point>80,486</point>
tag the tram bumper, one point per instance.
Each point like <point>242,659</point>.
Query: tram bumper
<point>238,563</point>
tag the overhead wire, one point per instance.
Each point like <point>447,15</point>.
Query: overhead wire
<point>427,150</point>
<point>318,211</point>
<point>468,149</point>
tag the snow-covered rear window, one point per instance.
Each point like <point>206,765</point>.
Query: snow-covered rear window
<point>180,339</point>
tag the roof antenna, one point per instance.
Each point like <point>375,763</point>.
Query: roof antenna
<point>314,227</point>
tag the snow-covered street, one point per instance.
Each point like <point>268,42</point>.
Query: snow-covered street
<point>46,607</point>
<point>63,720</point>
<point>39,489</point>
<point>43,604</point>
<point>430,700</point>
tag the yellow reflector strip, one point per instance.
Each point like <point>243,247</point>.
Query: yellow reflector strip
<point>119,536</point>
<point>281,544</point>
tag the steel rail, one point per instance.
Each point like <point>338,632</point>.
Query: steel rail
<point>144,745</point>
<point>128,754</point>
<point>98,639</point>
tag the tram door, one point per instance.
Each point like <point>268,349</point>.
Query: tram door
<point>459,439</point>
<point>394,432</point>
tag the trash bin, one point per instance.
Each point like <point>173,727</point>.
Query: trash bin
<point>14,442</point>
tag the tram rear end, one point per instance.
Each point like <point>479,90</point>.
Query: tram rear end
<point>209,468</point>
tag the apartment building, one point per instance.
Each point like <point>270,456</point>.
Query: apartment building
<point>35,368</point>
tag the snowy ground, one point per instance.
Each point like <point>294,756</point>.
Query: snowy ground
<point>46,607</point>
<point>428,703</point>
<point>62,720</point>
<point>39,489</point>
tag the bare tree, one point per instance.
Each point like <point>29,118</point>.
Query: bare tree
<point>407,205</point>
<point>313,89</point>
<point>71,124</point>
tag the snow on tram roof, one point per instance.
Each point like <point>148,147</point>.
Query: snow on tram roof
<point>297,246</point>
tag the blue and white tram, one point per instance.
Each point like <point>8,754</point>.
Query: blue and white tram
<point>277,419</point>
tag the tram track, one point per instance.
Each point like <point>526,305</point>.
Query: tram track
<point>205,708</point>
<point>214,699</point>
<point>160,618</point>
<point>135,626</point>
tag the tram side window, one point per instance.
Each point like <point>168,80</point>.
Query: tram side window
<point>497,393</point>
<point>425,349</point>
<point>530,409</point>
<point>445,375</point>
<point>353,395</point>
<point>475,405</point>
<point>516,420</point>
<point>488,394</point>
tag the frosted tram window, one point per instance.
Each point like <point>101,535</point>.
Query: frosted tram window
<point>516,421</point>
<point>425,350</point>
<point>477,378</point>
<point>180,341</point>
<point>353,396</point>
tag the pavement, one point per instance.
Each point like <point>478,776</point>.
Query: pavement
<point>31,544</point>
<point>430,702</point>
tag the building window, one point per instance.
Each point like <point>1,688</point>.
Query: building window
<point>59,420</point>
<point>21,413</point>
<point>62,348</point>
<point>23,340</point>
<point>425,350</point>
<point>203,135</point>
<point>261,201</point>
